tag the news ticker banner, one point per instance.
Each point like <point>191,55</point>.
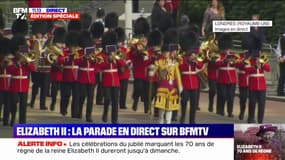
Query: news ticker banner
<point>45,14</point>
<point>238,25</point>
<point>120,141</point>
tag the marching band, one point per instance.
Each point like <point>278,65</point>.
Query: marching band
<point>164,67</point>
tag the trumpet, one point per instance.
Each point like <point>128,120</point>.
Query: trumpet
<point>200,57</point>
<point>52,57</point>
<point>233,59</point>
<point>263,58</point>
<point>74,53</point>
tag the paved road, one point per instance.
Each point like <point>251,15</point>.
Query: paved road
<point>275,113</point>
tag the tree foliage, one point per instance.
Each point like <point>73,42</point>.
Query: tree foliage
<point>241,10</point>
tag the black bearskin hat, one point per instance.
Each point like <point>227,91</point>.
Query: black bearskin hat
<point>74,25</point>
<point>59,35</point>
<point>154,38</point>
<point>85,21</point>
<point>5,46</point>
<point>141,27</point>
<point>72,39</point>
<point>17,41</point>
<point>225,41</point>
<point>109,38</point>
<point>121,34</point>
<point>20,27</point>
<point>97,29</point>
<point>39,27</point>
<point>189,40</point>
<point>85,39</point>
<point>171,36</point>
<point>111,20</point>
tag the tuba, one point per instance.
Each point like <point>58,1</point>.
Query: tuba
<point>28,56</point>
<point>53,52</point>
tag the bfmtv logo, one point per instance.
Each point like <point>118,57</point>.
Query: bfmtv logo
<point>20,13</point>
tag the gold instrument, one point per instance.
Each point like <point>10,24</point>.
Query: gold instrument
<point>74,53</point>
<point>263,58</point>
<point>200,57</point>
<point>28,57</point>
<point>235,59</point>
<point>53,51</point>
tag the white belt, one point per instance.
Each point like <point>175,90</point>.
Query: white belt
<point>241,72</point>
<point>86,69</point>
<point>70,67</point>
<point>188,72</point>
<point>110,70</point>
<point>44,66</point>
<point>226,68</point>
<point>20,77</point>
<point>256,75</point>
<point>5,75</point>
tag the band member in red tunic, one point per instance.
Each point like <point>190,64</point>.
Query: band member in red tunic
<point>70,83</point>
<point>188,66</point>
<point>20,71</point>
<point>56,65</point>
<point>97,30</point>
<point>257,84</point>
<point>40,76</point>
<point>139,56</point>
<point>226,75</point>
<point>124,72</point>
<point>110,75</point>
<point>6,62</point>
<point>86,75</point>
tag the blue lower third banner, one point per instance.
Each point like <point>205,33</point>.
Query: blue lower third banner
<point>120,141</point>
<point>123,131</point>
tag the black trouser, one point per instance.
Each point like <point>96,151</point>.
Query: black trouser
<point>243,94</point>
<point>22,107</point>
<point>227,93</point>
<point>140,90</point>
<point>198,96</point>
<point>123,92</point>
<point>149,96</point>
<point>99,91</point>
<point>86,90</point>
<point>281,81</point>
<point>187,95</point>
<point>55,86</point>
<point>111,96</point>
<point>5,101</point>
<point>66,89</point>
<point>212,93</point>
<point>259,97</point>
<point>40,80</point>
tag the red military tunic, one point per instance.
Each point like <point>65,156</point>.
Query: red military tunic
<point>56,70</point>
<point>139,65</point>
<point>86,73</point>
<point>70,68</point>
<point>256,76</point>
<point>212,71</point>
<point>150,61</point>
<point>124,54</point>
<point>242,74</point>
<point>189,74</point>
<point>5,77</point>
<point>226,71</point>
<point>19,79</point>
<point>110,74</point>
